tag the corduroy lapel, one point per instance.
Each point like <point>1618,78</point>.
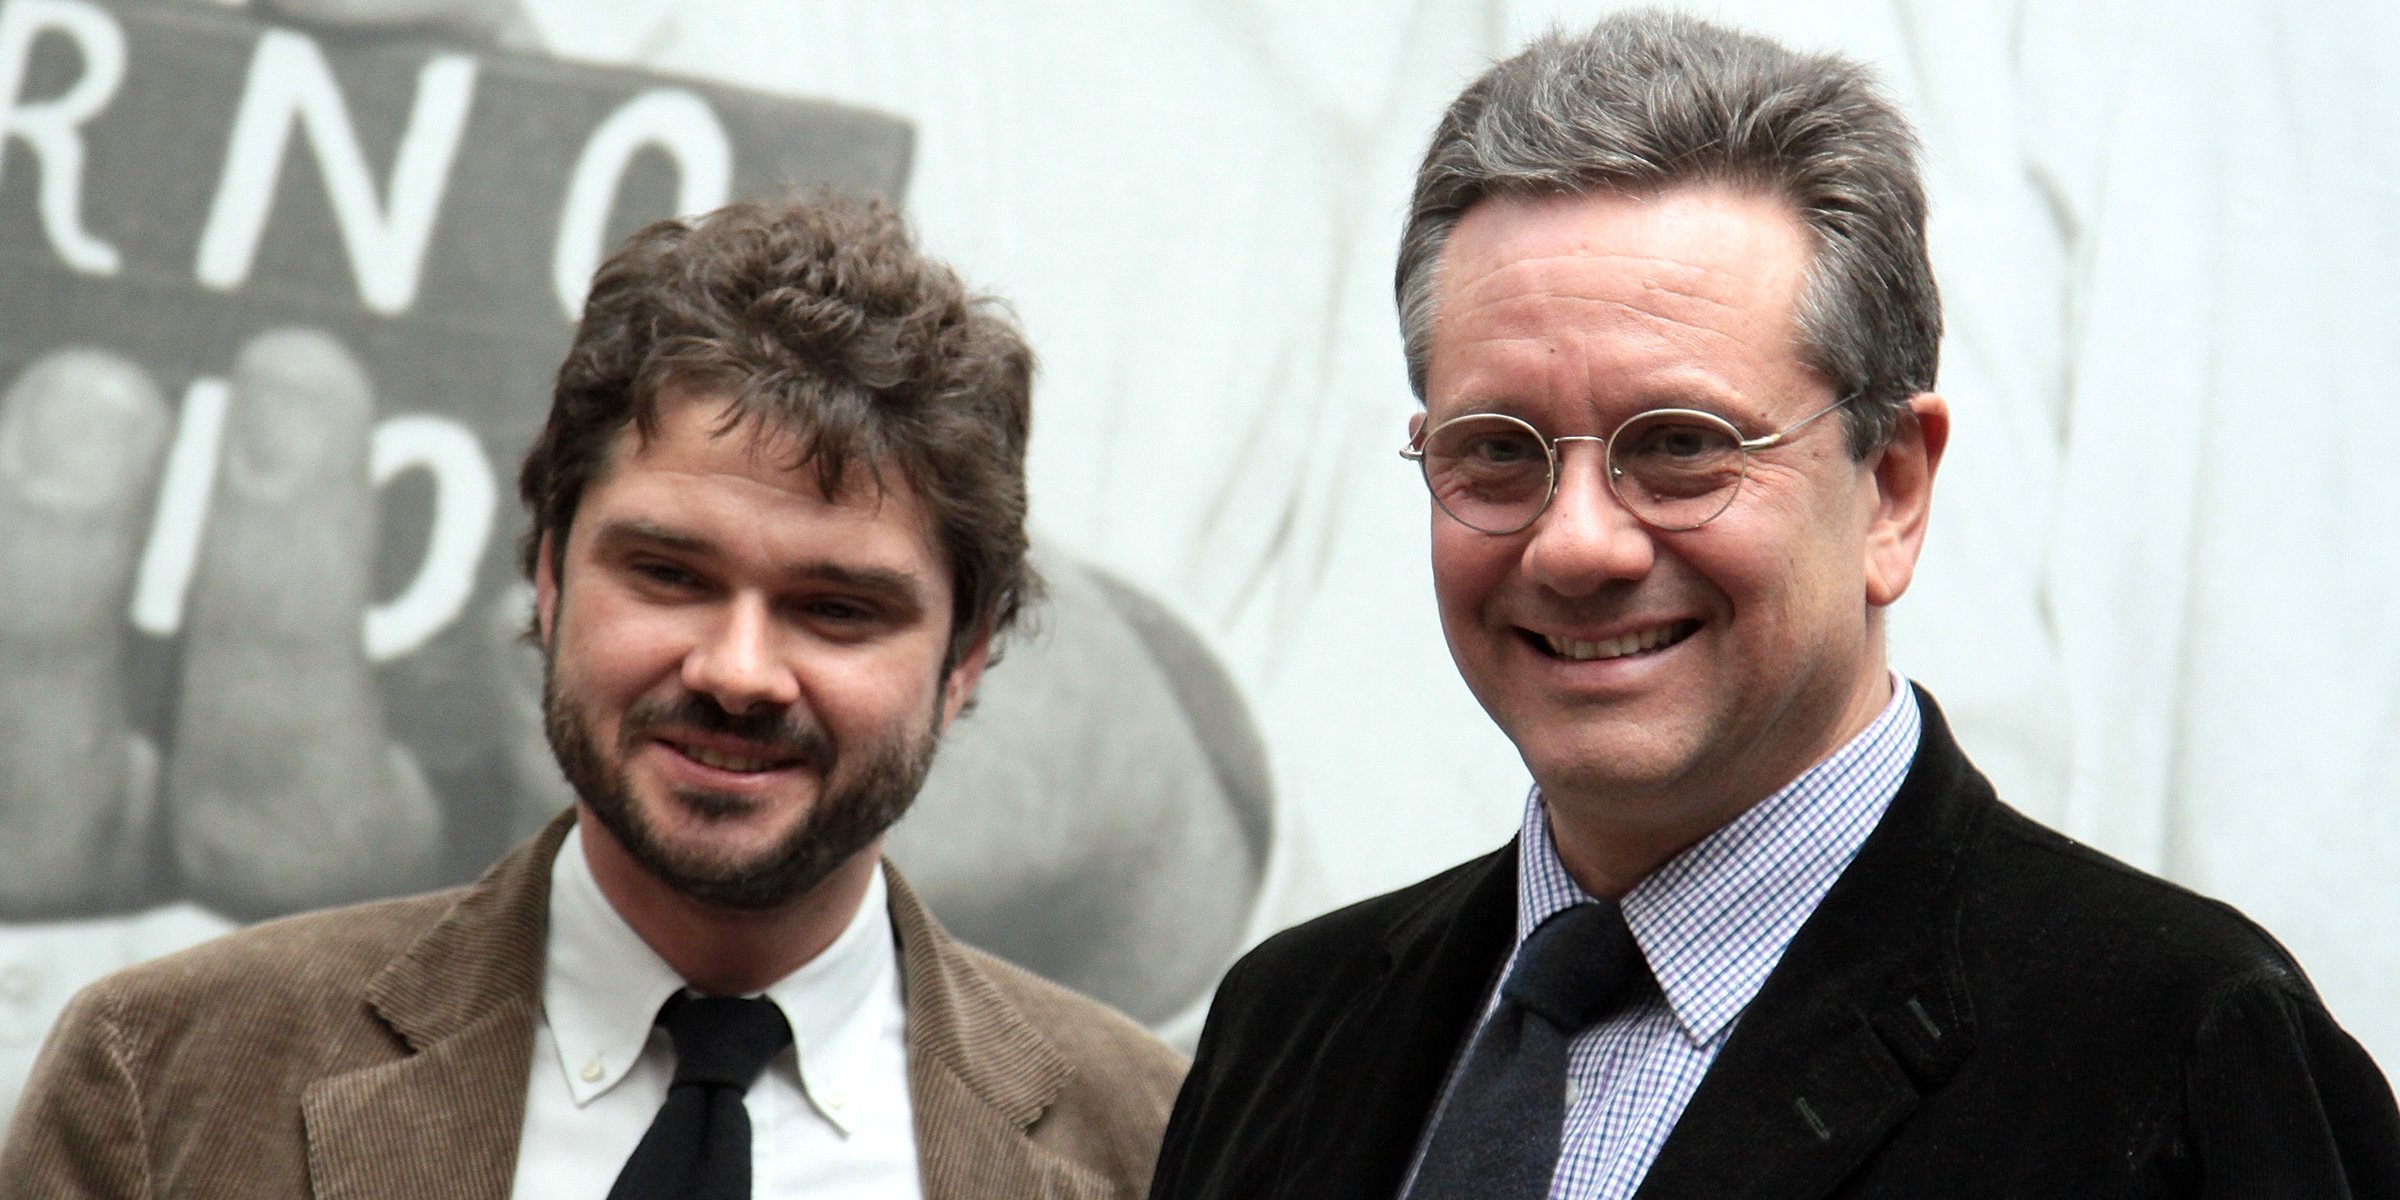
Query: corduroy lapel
<point>979,1075</point>
<point>1866,1013</point>
<point>443,1117</point>
<point>1380,1071</point>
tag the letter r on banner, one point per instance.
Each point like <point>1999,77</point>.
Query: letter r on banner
<point>52,127</point>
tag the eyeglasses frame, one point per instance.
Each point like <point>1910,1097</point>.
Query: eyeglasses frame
<point>1414,451</point>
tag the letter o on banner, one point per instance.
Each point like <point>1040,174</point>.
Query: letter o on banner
<point>464,500</point>
<point>671,119</point>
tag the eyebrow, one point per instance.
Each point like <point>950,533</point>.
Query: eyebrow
<point>629,532</point>
<point>1731,406</point>
<point>891,586</point>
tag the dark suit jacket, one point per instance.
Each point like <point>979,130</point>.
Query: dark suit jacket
<point>382,1051</point>
<point>1980,1008</point>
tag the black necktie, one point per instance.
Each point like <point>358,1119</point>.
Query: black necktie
<point>698,1148</point>
<point>1497,1135</point>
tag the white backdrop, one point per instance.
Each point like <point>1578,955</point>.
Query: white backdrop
<point>2152,602</point>
<point>2154,599</point>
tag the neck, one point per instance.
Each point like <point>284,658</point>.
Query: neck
<point>1610,843</point>
<point>725,951</point>
<point>1608,863</point>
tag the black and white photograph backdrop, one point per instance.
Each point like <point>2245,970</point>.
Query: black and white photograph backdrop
<point>282,285</point>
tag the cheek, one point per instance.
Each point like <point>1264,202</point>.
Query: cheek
<point>1797,585</point>
<point>1468,566</point>
<point>612,652</point>
<point>1793,546</point>
<point>870,694</point>
<point>1466,576</point>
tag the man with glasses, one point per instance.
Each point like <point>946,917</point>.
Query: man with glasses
<point>1765,931</point>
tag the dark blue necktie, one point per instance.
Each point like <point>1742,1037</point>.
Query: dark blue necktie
<point>1498,1132</point>
<point>698,1148</point>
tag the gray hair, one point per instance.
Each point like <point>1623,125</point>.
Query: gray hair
<point>1648,100</point>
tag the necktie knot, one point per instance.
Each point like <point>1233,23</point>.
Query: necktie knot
<point>698,1147</point>
<point>1497,1135</point>
<point>1577,967</point>
<point>723,1041</point>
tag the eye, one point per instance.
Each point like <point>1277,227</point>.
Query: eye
<point>841,611</point>
<point>663,575</point>
<point>1498,448</point>
<point>1675,441</point>
<point>1483,443</point>
<point>1662,462</point>
<point>841,617</point>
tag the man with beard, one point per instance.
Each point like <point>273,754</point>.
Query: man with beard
<point>778,522</point>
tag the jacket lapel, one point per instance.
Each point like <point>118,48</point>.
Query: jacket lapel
<point>1376,1080</point>
<point>1865,1014</point>
<point>442,1117</point>
<point>979,1076</point>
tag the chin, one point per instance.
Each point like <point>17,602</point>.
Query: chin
<point>1605,761</point>
<point>763,858</point>
<point>721,818</point>
<point>719,847</point>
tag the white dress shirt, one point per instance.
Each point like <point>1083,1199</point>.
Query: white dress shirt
<point>830,1118</point>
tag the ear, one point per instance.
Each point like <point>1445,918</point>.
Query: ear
<point>545,592</point>
<point>959,685</point>
<point>1416,423</point>
<point>1903,471</point>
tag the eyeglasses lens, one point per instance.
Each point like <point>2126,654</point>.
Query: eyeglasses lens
<point>1676,470</point>
<point>1489,471</point>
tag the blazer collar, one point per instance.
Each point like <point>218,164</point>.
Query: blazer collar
<point>1385,1056</point>
<point>1867,1011</point>
<point>443,1118</point>
<point>979,1074</point>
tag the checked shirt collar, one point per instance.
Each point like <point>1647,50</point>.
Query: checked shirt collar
<point>1715,919</point>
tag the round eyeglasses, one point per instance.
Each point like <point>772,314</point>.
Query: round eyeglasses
<point>1672,468</point>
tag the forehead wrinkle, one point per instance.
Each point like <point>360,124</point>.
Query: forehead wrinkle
<point>1678,333</point>
<point>1567,277</point>
<point>1515,299</point>
<point>862,481</point>
<point>1611,387</point>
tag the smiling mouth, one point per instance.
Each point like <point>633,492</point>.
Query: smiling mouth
<point>1639,642</point>
<point>725,760</point>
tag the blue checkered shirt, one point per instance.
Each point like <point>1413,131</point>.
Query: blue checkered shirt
<point>1713,921</point>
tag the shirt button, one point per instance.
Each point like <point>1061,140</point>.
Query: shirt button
<point>592,1071</point>
<point>1574,1093</point>
<point>835,1100</point>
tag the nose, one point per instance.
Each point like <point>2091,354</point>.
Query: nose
<point>1586,539</point>
<point>739,660</point>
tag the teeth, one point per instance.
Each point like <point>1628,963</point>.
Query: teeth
<point>1616,647</point>
<point>726,762</point>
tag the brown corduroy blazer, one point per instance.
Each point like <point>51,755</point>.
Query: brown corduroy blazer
<point>381,1052</point>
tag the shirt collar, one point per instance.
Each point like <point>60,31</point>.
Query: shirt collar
<point>1714,920</point>
<point>837,1004</point>
<point>603,987</point>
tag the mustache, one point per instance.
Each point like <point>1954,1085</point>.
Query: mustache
<point>788,733</point>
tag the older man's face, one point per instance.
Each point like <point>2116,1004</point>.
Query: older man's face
<point>1659,683</point>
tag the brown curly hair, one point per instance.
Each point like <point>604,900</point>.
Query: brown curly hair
<point>818,320</point>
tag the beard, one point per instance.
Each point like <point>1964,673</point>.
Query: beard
<point>883,779</point>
